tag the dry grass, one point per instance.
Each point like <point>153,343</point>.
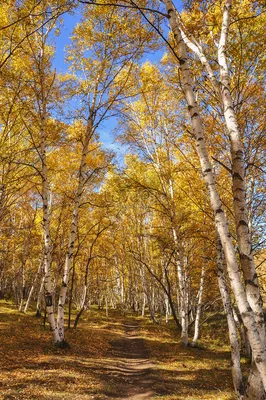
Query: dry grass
<point>202,373</point>
<point>32,368</point>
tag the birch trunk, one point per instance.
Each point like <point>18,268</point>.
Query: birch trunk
<point>33,287</point>
<point>23,291</point>
<point>183,303</point>
<point>199,305</point>
<point>73,232</point>
<point>235,354</point>
<point>254,387</point>
<point>70,300</point>
<point>42,98</point>
<point>143,304</point>
<point>240,205</point>
<point>256,342</point>
<point>239,185</point>
<point>243,229</point>
<point>245,347</point>
<point>106,306</point>
<point>166,302</point>
<point>39,300</point>
<point>46,233</point>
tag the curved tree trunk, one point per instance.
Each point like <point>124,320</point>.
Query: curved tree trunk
<point>255,387</point>
<point>238,168</point>
<point>256,342</point>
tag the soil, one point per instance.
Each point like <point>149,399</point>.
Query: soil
<point>131,373</point>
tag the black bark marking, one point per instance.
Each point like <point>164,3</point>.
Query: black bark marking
<point>48,300</point>
<point>244,257</point>
<point>251,283</point>
<point>258,360</point>
<point>236,175</point>
<point>229,108</point>
<point>242,222</point>
<point>246,313</point>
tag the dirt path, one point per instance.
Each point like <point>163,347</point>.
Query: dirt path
<point>107,360</point>
<point>131,373</point>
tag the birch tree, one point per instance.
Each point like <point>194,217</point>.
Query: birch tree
<point>101,80</point>
<point>249,319</point>
<point>36,119</point>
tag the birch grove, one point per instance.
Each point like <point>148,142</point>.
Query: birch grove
<point>132,174</point>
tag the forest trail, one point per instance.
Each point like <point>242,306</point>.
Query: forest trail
<point>131,372</point>
<point>114,358</point>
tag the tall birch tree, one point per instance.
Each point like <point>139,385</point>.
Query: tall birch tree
<point>247,314</point>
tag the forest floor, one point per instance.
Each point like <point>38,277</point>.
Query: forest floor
<point>110,358</point>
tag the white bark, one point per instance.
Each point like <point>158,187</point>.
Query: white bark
<point>235,354</point>
<point>143,304</point>
<point>197,49</point>
<point>258,347</point>
<point>39,299</point>
<point>245,347</point>
<point>166,309</point>
<point>239,186</point>
<point>199,305</point>
<point>238,168</point>
<point>106,306</point>
<point>23,287</point>
<point>45,198</point>
<point>47,240</point>
<point>183,311</point>
<point>33,287</point>
<point>239,193</point>
<point>183,300</point>
<point>254,387</point>
<point>73,230</point>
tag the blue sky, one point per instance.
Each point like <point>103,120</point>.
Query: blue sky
<point>62,41</point>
